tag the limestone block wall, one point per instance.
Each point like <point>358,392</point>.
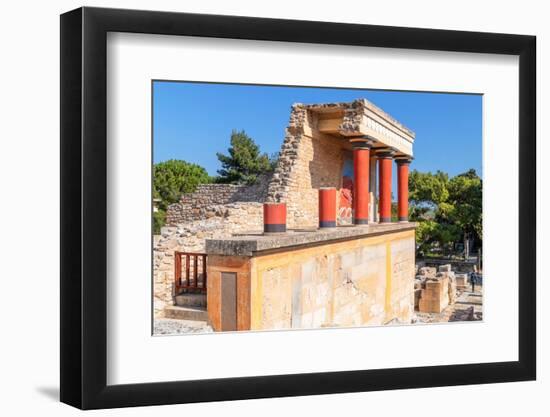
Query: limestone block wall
<point>357,282</point>
<point>190,237</point>
<point>205,202</point>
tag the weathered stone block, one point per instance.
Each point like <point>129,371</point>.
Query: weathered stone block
<point>427,271</point>
<point>445,268</point>
<point>435,296</point>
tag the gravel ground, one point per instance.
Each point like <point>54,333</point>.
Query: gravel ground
<point>171,326</point>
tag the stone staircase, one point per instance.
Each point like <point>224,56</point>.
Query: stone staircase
<point>188,306</point>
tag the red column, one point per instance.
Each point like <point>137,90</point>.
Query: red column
<point>403,189</point>
<point>327,207</point>
<point>361,155</point>
<point>274,217</point>
<point>384,200</point>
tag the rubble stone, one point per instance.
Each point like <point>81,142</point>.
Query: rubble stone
<point>427,271</point>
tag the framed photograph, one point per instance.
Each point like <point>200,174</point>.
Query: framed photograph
<point>259,208</point>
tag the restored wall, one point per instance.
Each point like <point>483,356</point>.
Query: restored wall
<point>357,282</point>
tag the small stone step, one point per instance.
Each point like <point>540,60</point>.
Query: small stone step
<point>186,313</point>
<point>191,300</point>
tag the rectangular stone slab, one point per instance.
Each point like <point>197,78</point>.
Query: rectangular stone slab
<point>251,244</point>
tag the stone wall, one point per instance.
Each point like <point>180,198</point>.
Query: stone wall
<point>190,237</point>
<point>205,202</point>
<point>356,283</point>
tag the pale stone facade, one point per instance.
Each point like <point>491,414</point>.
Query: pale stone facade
<point>363,279</point>
<point>356,283</point>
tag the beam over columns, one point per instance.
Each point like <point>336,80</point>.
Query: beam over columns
<point>361,158</point>
<point>403,189</point>
<point>385,167</point>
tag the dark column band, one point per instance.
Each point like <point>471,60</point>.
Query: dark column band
<point>274,228</point>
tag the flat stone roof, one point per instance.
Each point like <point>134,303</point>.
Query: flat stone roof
<point>251,244</point>
<point>331,107</point>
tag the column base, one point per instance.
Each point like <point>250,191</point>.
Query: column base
<point>324,223</point>
<point>385,219</point>
<point>274,228</point>
<point>403,219</point>
<point>360,222</point>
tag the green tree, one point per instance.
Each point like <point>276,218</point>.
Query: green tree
<point>171,179</point>
<point>464,206</point>
<point>447,210</point>
<point>245,163</point>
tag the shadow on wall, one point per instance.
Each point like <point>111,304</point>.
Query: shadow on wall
<point>332,166</point>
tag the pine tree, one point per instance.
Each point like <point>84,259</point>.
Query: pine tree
<point>245,163</point>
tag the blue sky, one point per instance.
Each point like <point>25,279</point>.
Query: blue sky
<point>193,121</point>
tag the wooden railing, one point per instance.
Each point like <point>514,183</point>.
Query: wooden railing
<point>189,272</point>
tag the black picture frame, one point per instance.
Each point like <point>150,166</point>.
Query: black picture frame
<point>84,207</point>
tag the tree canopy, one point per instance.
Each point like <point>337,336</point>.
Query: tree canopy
<point>171,179</point>
<point>448,209</point>
<point>245,163</point>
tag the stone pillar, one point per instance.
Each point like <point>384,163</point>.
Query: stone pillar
<point>373,209</point>
<point>384,200</point>
<point>403,189</point>
<point>361,158</point>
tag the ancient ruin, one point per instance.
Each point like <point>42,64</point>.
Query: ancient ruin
<point>314,244</point>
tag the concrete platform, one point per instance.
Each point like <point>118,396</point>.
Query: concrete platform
<point>249,244</point>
